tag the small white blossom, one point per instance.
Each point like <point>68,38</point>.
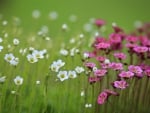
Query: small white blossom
<point>38,54</point>
<point>53,15</point>
<point>79,69</point>
<point>32,58</point>
<point>2,79</point>
<point>62,75</point>
<point>64,52</point>
<point>9,57</point>
<point>88,105</point>
<point>38,82</point>
<point>5,22</point>
<point>18,80</point>
<point>82,93</point>
<point>1,40</point>
<point>13,92</point>
<point>56,65</point>
<point>1,48</point>
<point>81,35</point>
<point>14,62</point>
<point>64,27</point>
<point>5,35</point>
<point>94,68</point>
<point>36,14</point>
<point>107,61</point>
<point>73,18</point>
<point>85,55</point>
<point>72,40</point>
<point>88,27</point>
<point>16,41</point>
<point>72,74</point>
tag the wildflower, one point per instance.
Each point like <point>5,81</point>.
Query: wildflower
<point>115,38</point>
<point>1,40</point>
<point>5,22</point>
<point>13,92</point>
<point>90,65</point>
<point>16,41</point>
<point>53,15</point>
<point>38,82</point>
<point>102,97</point>
<point>54,67</point>
<point>82,93</point>
<point>79,69</point>
<point>88,27</point>
<point>99,22</point>
<point>94,69</point>
<point>2,79</point>
<point>1,48</point>
<point>18,80</point>
<point>14,62</point>
<point>132,39</point>
<point>62,75</point>
<point>72,74</point>
<point>147,72</point>
<point>38,54</point>
<point>100,72</point>
<point>32,58</point>
<point>126,74</point>
<point>135,69</point>
<point>88,105</point>
<point>140,49</point>
<point>120,56</point>
<point>73,18</point>
<point>64,52</point>
<point>102,45</point>
<point>122,84</point>
<point>64,27</point>
<point>116,66</point>
<point>100,58</point>
<point>93,79</point>
<point>36,14</point>
<point>9,57</point>
<point>110,92</point>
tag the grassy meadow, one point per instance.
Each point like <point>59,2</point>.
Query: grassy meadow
<point>59,57</point>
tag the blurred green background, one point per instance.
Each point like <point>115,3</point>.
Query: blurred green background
<point>123,12</point>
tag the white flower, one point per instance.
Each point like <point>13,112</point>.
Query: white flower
<point>32,58</point>
<point>23,51</point>
<point>4,23</point>
<point>88,27</point>
<point>64,27</point>
<point>38,82</point>
<point>36,14</point>
<point>1,40</point>
<point>54,67</point>
<point>82,93</point>
<point>62,75</point>
<point>6,35</point>
<point>72,74</point>
<point>64,52</point>
<point>16,41</point>
<point>107,61</point>
<point>79,69</point>
<point>9,57</point>
<point>1,48</point>
<point>88,105</point>
<point>53,15</point>
<point>73,18</point>
<point>94,68</point>
<point>81,35</point>
<point>85,55</point>
<point>14,62</point>
<point>18,80</point>
<point>72,40</point>
<point>13,92</point>
<point>2,79</point>
<point>38,54</point>
<point>60,63</point>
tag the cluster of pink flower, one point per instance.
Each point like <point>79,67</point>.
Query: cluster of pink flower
<point>127,54</point>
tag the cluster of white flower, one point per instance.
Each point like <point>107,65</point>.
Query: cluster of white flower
<point>72,52</point>
<point>35,55</point>
<point>10,58</point>
<point>56,65</point>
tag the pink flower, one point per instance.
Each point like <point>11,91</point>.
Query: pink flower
<point>101,59</point>
<point>122,84</point>
<point>132,39</point>
<point>102,97</point>
<point>140,49</point>
<point>99,22</point>
<point>120,55</point>
<point>102,45</point>
<point>115,38</point>
<point>90,65</point>
<point>100,72</point>
<point>147,72</point>
<point>116,66</point>
<point>110,92</point>
<point>135,69</point>
<point>130,45</point>
<point>93,79</point>
<point>126,74</point>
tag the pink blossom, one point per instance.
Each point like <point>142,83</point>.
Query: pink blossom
<point>132,39</point>
<point>110,92</point>
<point>99,22</point>
<point>135,69</point>
<point>102,45</point>
<point>93,79</point>
<point>90,65</point>
<point>116,66</point>
<point>126,74</point>
<point>100,72</point>
<point>102,98</point>
<point>105,65</point>
<point>140,49</point>
<point>130,45</point>
<point>120,55</point>
<point>122,84</point>
<point>100,58</point>
<point>147,72</point>
<point>115,38</point>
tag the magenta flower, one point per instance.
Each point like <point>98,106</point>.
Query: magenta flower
<point>110,92</point>
<point>90,65</point>
<point>102,45</point>
<point>120,55</point>
<point>122,84</point>
<point>126,74</point>
<point>147,72</point>
<point>100,58</point>
<point>116,66</point>
<point>140,49</point>
<point>99,22</point>
<point>100,72</point>
<point>135,69</point>
<point>132,39</point>
<point>130,45</point>
<point>102,97</point>
<point>115,38</point>
<point>93,79</point>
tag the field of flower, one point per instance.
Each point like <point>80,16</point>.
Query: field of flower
<point>74,66</point>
